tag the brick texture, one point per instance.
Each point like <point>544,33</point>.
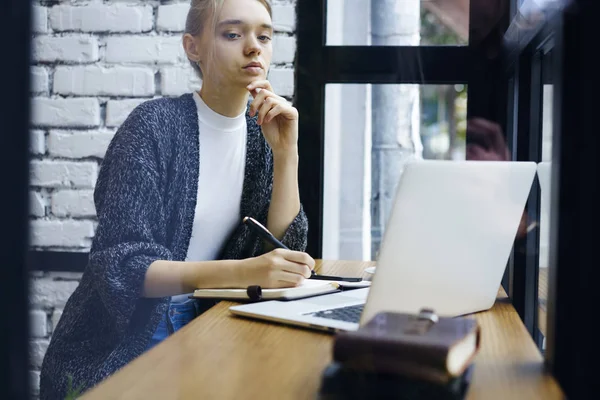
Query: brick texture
<point>111,18</point>
<point>98,81</point>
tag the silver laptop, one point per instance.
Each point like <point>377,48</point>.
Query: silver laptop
<point>445,246</point>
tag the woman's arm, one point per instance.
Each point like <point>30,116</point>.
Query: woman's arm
<point>285,199</point>
<point>279,124</point>
<point>170,278</point>
<point>131,218</point>
<point>278,268</point>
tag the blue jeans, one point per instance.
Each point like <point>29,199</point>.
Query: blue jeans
<point>179,315</point>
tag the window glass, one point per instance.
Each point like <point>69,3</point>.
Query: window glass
<point>370,132</point>
<point>397,22</point>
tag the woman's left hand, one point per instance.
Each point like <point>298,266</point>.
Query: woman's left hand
<point>277,117</point>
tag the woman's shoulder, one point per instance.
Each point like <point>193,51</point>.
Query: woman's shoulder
<point>162,110</point>
<point>157,119</point>
<point>150,129</point>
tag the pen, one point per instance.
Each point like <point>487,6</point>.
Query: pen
<point>335,278</point>
<point>268,236</point>
<point>264,232</point>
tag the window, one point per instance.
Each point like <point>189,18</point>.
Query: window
<point>370,131</point>
<point>545,182</point>
<point>503,63</point>
<point>418,70</point>
<point>397,23</point>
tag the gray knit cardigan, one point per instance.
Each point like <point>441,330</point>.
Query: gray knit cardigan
<point>145,198</point>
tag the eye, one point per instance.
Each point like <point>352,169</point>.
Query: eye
<point>264,38</point>
<point>231,35</point>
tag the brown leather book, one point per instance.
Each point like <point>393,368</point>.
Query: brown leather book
<point>424,346</point>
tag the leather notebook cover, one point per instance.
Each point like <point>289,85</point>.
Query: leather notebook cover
<point>410,346</point>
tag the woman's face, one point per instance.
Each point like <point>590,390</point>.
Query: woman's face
<point>239,50</point>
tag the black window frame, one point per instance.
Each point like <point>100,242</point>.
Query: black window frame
<point>575,196</point>
<point>14,169</point>
<point>318,64</point>
<point>526,70</point>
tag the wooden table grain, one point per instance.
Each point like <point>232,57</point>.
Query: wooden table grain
<point>220,356</point>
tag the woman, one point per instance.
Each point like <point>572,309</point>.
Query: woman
<point>176,181</point>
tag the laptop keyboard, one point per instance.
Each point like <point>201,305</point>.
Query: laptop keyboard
<point>347,314</point>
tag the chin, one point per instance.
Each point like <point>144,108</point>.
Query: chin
<point>256,78</point>
<point>246,81</point>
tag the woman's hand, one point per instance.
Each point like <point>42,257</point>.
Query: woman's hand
<point>277,117</point>
<point>278,268</point>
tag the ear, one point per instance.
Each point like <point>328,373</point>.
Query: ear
<point>191,46</point>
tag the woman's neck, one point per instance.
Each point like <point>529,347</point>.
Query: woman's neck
<point>227,101</point>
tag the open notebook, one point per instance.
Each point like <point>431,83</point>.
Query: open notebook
<point>308,288</point>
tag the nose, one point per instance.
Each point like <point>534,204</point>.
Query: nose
<point>252,46</point>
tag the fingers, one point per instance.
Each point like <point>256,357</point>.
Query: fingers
<point>267,107</point>
<point>259,98</point>
<point>286,111</point>
<point>273,112</point>
<point>261,91</point>
<point>296,256</point>
<point>271,107</point>
<point>263,98</point>
<point>297,269</point>
<point>282,268</point>
<point>286,278</point>
<point>263,84</point>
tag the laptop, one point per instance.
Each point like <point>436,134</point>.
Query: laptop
<point>446,245</point>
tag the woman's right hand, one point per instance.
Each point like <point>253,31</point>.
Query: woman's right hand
<point>277,268</point>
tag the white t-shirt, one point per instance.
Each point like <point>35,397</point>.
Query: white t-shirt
<point>220,183</point>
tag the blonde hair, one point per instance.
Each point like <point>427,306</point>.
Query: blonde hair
<point>197,18</point>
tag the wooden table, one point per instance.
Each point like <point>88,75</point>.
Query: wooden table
<point>219,356</point>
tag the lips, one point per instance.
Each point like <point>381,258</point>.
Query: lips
<point>253,65</point>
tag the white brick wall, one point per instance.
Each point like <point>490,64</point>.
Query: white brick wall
<point>73,203</point>
<point>171,17</point>
<point>60,112</point>
<point>284,17</point>
<point>102,18</point>
<point>39,19</point>
<point>37,204</point>
<point>118,110</point>
<point>284,49</point>
<point>39,80</point>
<point>79,144</point>
<point>63,174</point>
<point>177,79</point>
<point>38,324</point>
<point>94,80</point>
<point>145,49</point>
<point>66,49</point>
<point>37,142</point>
<point>93,62</point>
